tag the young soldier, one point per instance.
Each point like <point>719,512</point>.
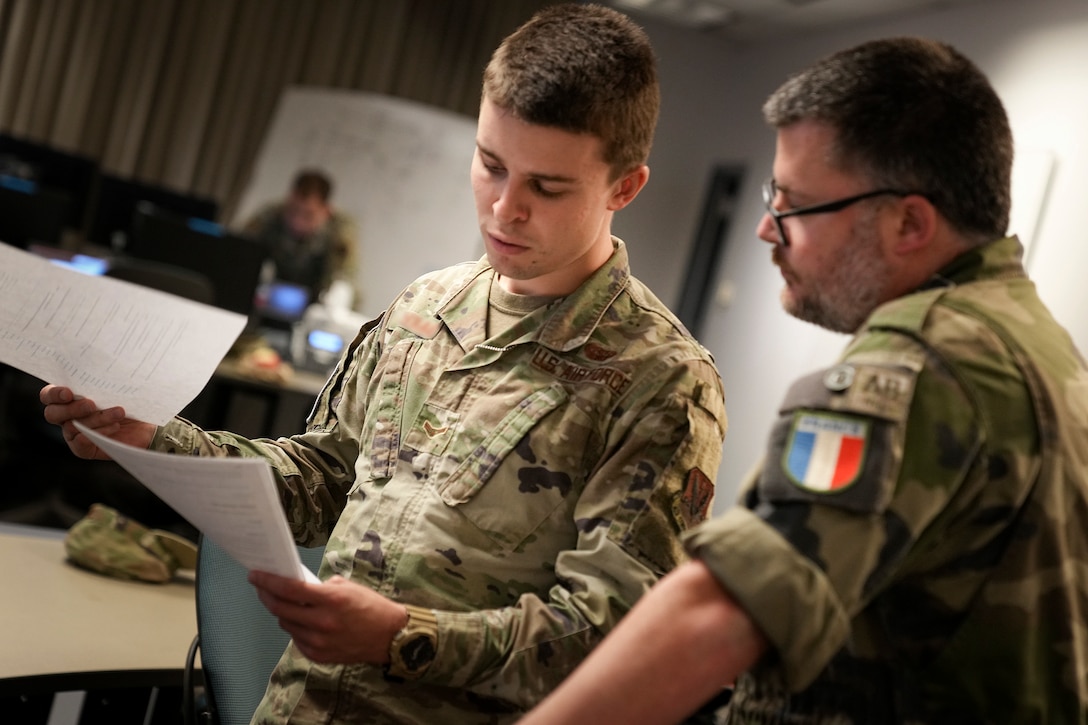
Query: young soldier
<point>503,462</point>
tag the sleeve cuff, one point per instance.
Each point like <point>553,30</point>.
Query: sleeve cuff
<point>177,436</point>
<point>455,658</point>
<point>785,594</point>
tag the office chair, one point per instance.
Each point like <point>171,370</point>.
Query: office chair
<point>238,640</point>
<point>163,277</point>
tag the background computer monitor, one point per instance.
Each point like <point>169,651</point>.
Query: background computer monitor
<point>281,304</point>
<point>78,261</point>
<point>30,213</point>
<point>51,168</point>
<point>232,263</point>
<point>114,203</point>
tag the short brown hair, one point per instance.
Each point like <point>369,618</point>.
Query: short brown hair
<point>915,114</point>
<point>581,68</point>
<point>312,182</point>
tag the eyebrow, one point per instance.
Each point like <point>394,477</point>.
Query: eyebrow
<point>555,178</point>
<point>790,193</point>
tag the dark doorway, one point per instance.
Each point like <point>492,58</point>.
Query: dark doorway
<point>702,269</point>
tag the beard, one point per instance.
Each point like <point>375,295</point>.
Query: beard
<point>850,291</point>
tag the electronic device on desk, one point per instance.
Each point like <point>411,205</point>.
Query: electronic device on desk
<point>231,263</point>
<point>113,208</point>
<point>281,304</point>
<point>325,330</point>
<point>78,261</point>
<point>31,213</point>
<point>64,172</point>
<point>279,307</point>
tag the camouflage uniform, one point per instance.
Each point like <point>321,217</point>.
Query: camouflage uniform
<point>916,545</point>
<point>331,253</point>
<point>529,487</point>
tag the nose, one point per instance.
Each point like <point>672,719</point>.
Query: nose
<point>509,206</point>
<point>767,230</point>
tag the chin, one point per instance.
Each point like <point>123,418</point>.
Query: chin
<point>788,301</point>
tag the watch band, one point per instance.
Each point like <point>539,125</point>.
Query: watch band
<point>414,647</point>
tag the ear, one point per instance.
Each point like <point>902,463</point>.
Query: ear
<point>917,225</point>
<point>627,187</point>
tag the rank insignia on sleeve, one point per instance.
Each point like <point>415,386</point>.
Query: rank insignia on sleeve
<point>825,452</point>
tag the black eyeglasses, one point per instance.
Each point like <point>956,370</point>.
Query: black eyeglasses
<point>770,190</point>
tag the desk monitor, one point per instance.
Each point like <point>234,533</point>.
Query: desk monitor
<point>113,208</point>
<point>232,263</point>
<point>31,213</point>
<point>78,261</point>
<point>68,173</point>
<point>281,304</point>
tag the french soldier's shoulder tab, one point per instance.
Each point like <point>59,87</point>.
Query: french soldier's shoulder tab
<point>868,384</point>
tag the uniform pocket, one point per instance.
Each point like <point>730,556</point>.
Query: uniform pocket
<point>507,496</point>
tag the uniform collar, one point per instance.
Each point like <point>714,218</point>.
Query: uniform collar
<point>1000,259</point>
<point>568,322</point>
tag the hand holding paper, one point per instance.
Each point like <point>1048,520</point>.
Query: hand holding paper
<point>112,341</point>
<point>232,500</point>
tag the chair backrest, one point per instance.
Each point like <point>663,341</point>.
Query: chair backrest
<point>240,641</point>
<point>163,277</point>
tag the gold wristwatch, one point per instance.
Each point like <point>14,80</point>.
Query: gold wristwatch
<point>413,648</point>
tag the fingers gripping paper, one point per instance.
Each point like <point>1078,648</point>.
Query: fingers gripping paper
<point>112,341</point>
<point>232,500</point>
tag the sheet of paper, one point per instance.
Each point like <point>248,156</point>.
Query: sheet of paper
<point>232,500</point>
<point>112,341</point>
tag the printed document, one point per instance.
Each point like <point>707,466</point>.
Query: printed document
<point>112,341</point>
<point>232,500</point>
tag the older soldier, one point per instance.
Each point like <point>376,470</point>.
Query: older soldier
<point>501,464</point>
<point>915,547</point>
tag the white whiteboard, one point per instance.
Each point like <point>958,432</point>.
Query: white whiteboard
<point>400,168</point>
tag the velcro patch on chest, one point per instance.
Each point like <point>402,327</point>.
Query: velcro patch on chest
<point>571,372</point>
<point>425,327</point>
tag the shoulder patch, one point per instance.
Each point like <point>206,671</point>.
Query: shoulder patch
<point>693,503</point>
<point>825,451</point>
<point>877,390</point>
<point>838,440</point>
<point>856,388</point>
<point>827,457</point>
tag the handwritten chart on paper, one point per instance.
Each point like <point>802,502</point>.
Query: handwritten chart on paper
<point>114,342</point>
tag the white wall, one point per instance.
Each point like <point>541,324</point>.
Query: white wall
<point>1034,52</point>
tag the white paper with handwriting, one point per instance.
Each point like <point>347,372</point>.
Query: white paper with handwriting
<point>232,501</point>
<point>112,341</point>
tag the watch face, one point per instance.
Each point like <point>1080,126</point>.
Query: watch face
<point>417,652</point>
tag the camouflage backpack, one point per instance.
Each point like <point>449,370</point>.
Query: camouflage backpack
<point>108,542</point>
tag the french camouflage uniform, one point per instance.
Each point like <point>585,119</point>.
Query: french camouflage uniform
<point>529,487</point>
<point>915,547</point>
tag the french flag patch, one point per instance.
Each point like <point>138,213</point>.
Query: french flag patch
<point>825,452</point>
